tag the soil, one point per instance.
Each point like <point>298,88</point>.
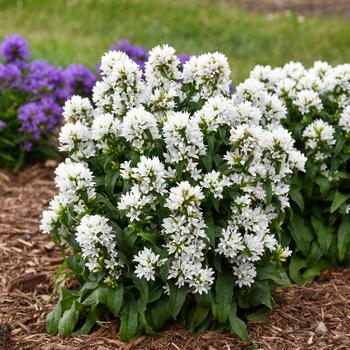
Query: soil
<point>315,316</point>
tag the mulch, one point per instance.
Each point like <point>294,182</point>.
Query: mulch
<point>316,316</point>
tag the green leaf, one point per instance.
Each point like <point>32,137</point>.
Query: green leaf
<point>115,299</point>
<point>86,289</point>
<point>324,183</point>
<point>301,233</point>
<point>237,325</point>
<point>129,320</point>
<point>343,237</point>
<point>177,298</point>
<point>151,237</point>
<point>68,321</point>
<point>295,266</point>
<point>338,201</point>
<point>211,143</point>
<point>297,198</point>
<point>197,316</point>
<point>97,296</point>
<point>268,190</point>
<point>269,272</point>
<point>159,314</point>
<point>110,181</point>
<point>324,234</point>
<point>260,315</point>
<point>260,294</point>
<point>312,272</point>
<point>224,293</point>
<point>53,318</point>
<point>208,162</point>
<point>91,319</point>
<point>210,230</point>
<point>142,286</point>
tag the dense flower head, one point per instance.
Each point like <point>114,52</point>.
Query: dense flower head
<point>14,48</point>
<point>206,174</point>
<point>79,80</point>
<point>139,53</point>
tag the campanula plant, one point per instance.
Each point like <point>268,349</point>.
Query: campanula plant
<point>171,199</point>
<point>32,93</point>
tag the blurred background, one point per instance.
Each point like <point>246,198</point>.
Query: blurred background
<point>249,32</point>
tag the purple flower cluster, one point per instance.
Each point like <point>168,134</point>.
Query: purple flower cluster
<point>15,49</point>
<point>36,91</point>
<point>139,54</point>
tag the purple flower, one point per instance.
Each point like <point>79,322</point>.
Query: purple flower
<point>183,57</point>
<point>79,79</point>
<point>32,118</point>
<point>52,111</point>
<point>41,78</point>
<point>2,124</point>
<point>10,75</point>
<point>138,54</point>
<point>15,48</point>
<point>122,45</point>
<point>27,146</point>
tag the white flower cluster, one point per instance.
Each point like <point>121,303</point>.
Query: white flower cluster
<point>93,234</point>
<point>175,167</point>
<point>318,102</point>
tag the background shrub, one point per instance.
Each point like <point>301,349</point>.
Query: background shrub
<point>32,93</point>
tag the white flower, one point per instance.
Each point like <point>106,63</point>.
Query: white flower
<point>126,170</point>
<point>216,111</point>
<point>294,70</point>
<point>162,66</point>
<point>246,113</point>
<point>50,217</point>
<point>183,137</point>
<point>94,235</point>
<point>147,262</point>
<point>209,74</point>
<point>133,203</point>
<point>77,109</point>
<point>230,243</point>
<point>76,138</point>
<point>105,125</point>
<point>215,183</point>
<point>149,175</point>
<point>184,197</point>
<point>267,75</point>
<point>121,85</point>
<point>319,132</point>
<point>137,126</point>
<point>74,178</point>
<point>344,121</point>
<point>245,273</point>
<point>308,101</point>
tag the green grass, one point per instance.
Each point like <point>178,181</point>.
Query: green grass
<point>81,31</point>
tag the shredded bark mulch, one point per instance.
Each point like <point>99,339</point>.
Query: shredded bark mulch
<point>316,316</point>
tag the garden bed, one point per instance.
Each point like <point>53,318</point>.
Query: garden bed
<point>316,316</point>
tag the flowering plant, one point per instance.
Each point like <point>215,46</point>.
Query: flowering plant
<point>171,197</point>
<point>318,104</point>
<point>139,54</point>
<point>31,95</point>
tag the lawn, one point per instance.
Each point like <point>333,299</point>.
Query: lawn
<point>80,31</point>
